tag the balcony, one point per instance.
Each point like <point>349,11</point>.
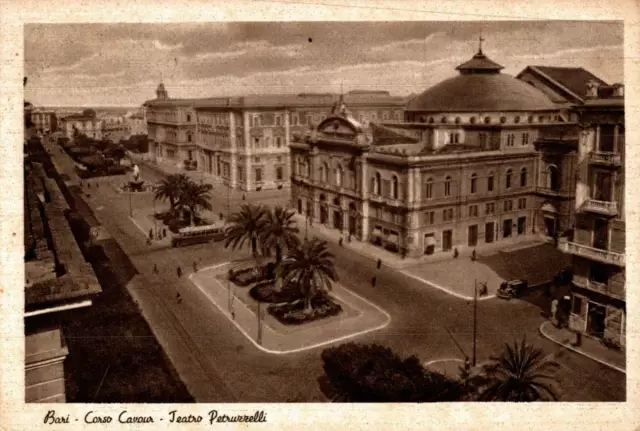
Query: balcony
<point>554,192</point>
<point>601,207</point>
<point>604,256</point>
<point>605,158</point>
<point>596,287</point>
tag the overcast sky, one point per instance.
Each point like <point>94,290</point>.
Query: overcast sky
<point>122,64</point>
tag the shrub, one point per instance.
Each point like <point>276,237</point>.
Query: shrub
<point>293,313</point>
<point>247,276</point>
<point>265,291</point>
<point>373,373</point>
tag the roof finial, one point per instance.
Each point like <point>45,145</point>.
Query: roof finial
<point>480,40</point>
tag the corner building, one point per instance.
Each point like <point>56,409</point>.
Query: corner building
<point>481,158</point>
<point>598,307</point>
<point>244,141</point>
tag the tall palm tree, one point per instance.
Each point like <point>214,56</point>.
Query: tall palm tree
<point>310,266</point>
<point>279,232</point>
<point>246,224</point>
<point>171,188</point>
<point>195,196</point>
<point>520,373</point>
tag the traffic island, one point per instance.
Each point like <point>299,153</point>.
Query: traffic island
<point>358,317</point>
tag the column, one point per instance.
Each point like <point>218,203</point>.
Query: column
<point>597,143</point>
<point>410,186</point>
<point>364,233</point>
<point>247,151</point>
<point>233,152</point>
<point>616,134</point>
<point>287,141</point>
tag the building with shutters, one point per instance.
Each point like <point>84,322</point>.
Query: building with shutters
<point>482,158</point>
<point>597,243</point>
<point>244,141</point>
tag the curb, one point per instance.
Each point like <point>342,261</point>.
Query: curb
<point>578,351</point>
<point>444,289</point>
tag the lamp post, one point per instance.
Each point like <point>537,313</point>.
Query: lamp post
<point>259,323</point>
<point>475,320</point>
<point>130,204</point>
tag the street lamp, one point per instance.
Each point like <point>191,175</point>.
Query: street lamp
<point>130,204</point>
<point>259,323</point>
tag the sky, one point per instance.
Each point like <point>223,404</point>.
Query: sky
<point>122,64</point>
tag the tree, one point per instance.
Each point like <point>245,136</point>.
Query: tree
<point>172,188</point>
<point>520,373</point>
<point>374,373</point>
<point>195,196</point>
<point>279,232</point>
<point>310,267</point>
<point>247,224</point>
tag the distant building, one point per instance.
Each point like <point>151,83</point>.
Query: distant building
<point>482,158</point>
<point>58,279</point>
<point>86,123</point>
<point>244,141</point>
<point>137,124</point>
<point>44,121</point>
<point>598,242</point>
<point>115,128</point>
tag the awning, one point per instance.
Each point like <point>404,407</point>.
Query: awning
<point>376,232</point>
<point>547,207</point>
<point>430,240</point>
<point>392,238</point>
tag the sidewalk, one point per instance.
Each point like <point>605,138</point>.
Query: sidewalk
<point>589,347</point>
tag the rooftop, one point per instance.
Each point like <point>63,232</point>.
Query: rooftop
<point>573,79</point>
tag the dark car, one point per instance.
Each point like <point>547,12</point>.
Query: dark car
<point>512,289</point>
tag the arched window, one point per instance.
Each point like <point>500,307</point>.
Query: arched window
<point>189,137</point>
<point>394,187</point>
<point>490,182</point>
<point>428,190</point>
<point>508,179</point>
<point>431,120</point>
<point>378,183</point>
<point>487,120</point>
<point>523,177</point>
<point>325,176</point>
<point>339,176</point>
<point>472,120</point>
<point>443,120</point>
<point>375,184</point>
<point>503,119</point>
<point>474,183</point>
<point>321,173</point>
<point>458,120</point>
<point>516,119</point>
<point>188,118</point>
<point>447,186</point>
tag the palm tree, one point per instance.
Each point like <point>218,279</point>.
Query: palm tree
<point>247,224</point>
<point>171,188</point>
<point>195,196</point>
<point>311,267</point>
<point>279,232</point>
<point>520,373</point>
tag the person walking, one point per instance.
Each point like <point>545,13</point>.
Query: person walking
<point>179,272</point>
<point>155,269</point>
<point>195,266</point>
<point>164,232</point>
<point>373,281</point>
<point>379,263</point>
<point>340,242</point>
<point>473,255</point>
<point>178,297</point>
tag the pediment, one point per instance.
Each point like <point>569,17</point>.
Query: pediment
<point>339,126</point>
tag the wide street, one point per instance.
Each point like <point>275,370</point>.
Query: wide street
<point>235,370</point>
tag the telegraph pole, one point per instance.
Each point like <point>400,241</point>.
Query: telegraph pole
<point>475,319</point>
<point>229,287</point>
<point>130,206</point>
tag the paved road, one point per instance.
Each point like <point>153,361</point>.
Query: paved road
<point>420,317</point>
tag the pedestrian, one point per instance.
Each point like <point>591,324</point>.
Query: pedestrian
<point>221,216</point>
<point>340,242</point>
<point>473,255</point>
<point>178,298</point>
<point>373,281</point>
<point>195,266</point>
<point>349,237</point>
<point>149,241</point>
<point>404,253</point>
<point>455,253</point>
<point>88,185</point>
<point>164,232</point>
<point>179,272</point>
<point>244,197</point>
<point>150,233</point>
<point>155,269</point>
<point>379,263</point>
<point>97,185</point>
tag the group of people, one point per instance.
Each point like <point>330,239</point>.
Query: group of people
<point>156,271</point>
<point>157,235</point>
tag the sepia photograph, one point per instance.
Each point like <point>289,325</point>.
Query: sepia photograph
<point>324,212</point>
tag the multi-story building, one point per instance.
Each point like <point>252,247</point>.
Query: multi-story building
<point>58,278</point>
<point>482,157</point>
<point>44,120</point>
<point>137,124</point>
<point>115,128</point>
<point>244,141</point>
<point>598,241</point>
<point>86,123</point>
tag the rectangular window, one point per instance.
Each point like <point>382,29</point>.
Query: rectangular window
<point>473,211</point>
<point>278,120</point>
<point>429,217</point>
<point>525,139</point>
<point>294,119</point>
<point>522,203</point>
<point>258,174</point>
<point>489,208</point>
<point>508,205</point>
<point>490,183</point>
<point>278,142</point>
<point>256,160</point>
<point>576,307</point>
<point>598,273</point>
<point>279,174</point>
<point>385,116</point>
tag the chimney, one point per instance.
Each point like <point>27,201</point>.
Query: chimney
<point>592,89</point>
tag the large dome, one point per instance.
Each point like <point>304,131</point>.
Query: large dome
<point>480,87</point>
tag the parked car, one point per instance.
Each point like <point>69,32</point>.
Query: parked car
<point>512,289</point>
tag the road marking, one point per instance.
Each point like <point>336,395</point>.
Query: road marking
<point>435,361</point>
<point>580,352</point>
<point>444,289</point>
<point>300,349</point>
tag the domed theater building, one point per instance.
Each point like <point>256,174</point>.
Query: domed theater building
<point>481,158</point>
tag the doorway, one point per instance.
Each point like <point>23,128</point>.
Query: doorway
<point>489,232</point>
<point>337,220</point>
<point>550,226</point>
<point>595,319</point>
<point>473,235</point>
<point>324,214</point>
<point>522,225</point>
<point>299,206</point>
<point>600,234</point>
<point>506,228</point>
<point>447,240</point>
